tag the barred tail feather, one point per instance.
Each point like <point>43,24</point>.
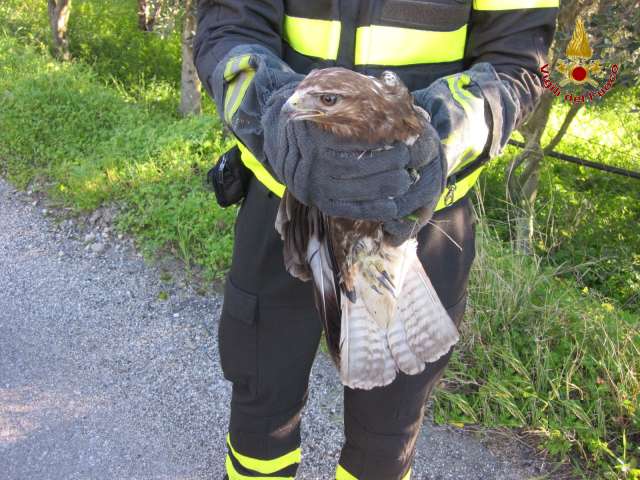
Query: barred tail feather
<point>365,359</point>
<point>422,330</point>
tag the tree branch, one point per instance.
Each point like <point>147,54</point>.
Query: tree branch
<point>571,114</point>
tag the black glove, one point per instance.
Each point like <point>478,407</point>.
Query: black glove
<point>349,179</point>
<point>242,84</point>
<point>472,111</point>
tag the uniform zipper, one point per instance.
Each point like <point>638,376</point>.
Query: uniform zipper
<point>454,178</point>
<point>451,190</point>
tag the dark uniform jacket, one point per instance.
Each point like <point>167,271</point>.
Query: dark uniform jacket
<point>420,40</point>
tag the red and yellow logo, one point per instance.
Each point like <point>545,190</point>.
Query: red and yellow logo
<point>578,69</point>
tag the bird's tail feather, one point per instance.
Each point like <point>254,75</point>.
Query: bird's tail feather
<point>421,331</point>
<point>365,359</point>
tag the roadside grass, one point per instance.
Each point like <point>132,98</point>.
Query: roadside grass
<point>538,353</point>
<point>61,126</point>
<point>143,66</point>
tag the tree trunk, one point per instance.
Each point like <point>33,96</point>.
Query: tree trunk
<point>143,13</point>
<point>190,98</point>
<point>522,188</point>
<point>148,12</point>
<point>59,11</point>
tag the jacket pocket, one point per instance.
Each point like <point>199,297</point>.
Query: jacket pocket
<point>238,337</point>
<point>436,15</point>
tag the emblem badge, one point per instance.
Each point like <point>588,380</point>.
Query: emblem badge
<point>579,67</point>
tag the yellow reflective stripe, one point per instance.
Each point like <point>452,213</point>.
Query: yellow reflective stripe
<point>468,156</point>
<point>235,66</point>
<point>313,37</point>
<point>238,73</point>
<point>457,95</point>
<point>235,93</point>
<point>266,466</point>
<point>463,81</point>
<point>513,4</point>
<point>260,172</point>
<point>233,474</point>
<point>342,474</point>
<point>394,46</point>
<point>461,189</point>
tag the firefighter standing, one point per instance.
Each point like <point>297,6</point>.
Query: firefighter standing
<point>472,65</point>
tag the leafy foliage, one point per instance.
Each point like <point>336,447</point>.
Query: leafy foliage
<point>588,221</point>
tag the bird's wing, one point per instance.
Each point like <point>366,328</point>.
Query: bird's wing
<point>308,255</point>
<point>292,223</point>
<point>325,279</point>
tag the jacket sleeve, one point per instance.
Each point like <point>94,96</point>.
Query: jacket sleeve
<point>514,37</point>
<point>225,24</point>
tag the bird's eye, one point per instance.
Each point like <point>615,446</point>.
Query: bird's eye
<point>328,99</point>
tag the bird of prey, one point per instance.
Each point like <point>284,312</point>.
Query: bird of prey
<point>380,312</point>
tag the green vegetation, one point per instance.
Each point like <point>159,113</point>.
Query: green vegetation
<point>588,221</point>
<point>551,344</point>
<point>539,354</point>
<point>89,145</point>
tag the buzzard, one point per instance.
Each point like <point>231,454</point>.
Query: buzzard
<point>380,312</point>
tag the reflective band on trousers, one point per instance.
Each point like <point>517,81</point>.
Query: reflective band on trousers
<point>448,197</point>
<point>258,465</point>
<point>342,474</point>
<point>513,4</point>
<point>234,475</point>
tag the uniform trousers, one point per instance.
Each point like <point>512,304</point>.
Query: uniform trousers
<point>269,334</point>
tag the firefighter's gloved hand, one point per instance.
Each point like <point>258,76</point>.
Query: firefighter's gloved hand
<point>473,112</point>
<point>434,177</point>
<point>351,180</point>
<point>242,84</point>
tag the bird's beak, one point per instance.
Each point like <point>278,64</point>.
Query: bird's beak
<point>292,106</point>
<point>297,108</point>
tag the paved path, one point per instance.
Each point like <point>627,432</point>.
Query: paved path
<point>101,379</point>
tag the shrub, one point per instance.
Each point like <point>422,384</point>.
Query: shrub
<point>60,124</point>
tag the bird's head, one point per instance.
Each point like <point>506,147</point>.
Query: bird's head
<point>352,105</point>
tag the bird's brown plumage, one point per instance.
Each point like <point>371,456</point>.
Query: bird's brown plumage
<point>379,309</point>
<point>367,109</point>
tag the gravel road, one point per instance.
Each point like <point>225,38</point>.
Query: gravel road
<point>104,377</point>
